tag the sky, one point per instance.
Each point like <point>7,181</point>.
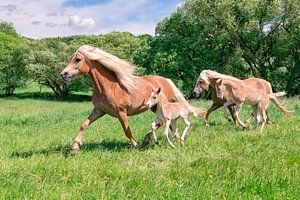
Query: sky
<point>53,18</point>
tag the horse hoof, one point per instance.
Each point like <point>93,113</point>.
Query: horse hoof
<point>74,151</point>
<point>157,142</point>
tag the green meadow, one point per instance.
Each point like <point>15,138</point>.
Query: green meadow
<point>220,162</point>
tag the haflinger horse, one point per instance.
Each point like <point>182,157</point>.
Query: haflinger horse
<point>116,90</point>
<point>169,113</point>
<point>239,93</point>
<point>208,78</point>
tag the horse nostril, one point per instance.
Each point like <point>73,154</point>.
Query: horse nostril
<point>194,94</point>
<point>64,74</point>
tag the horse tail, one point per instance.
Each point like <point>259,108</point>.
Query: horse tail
<point>179,96</point>
<point>279,94</point>
<point>273,98</point>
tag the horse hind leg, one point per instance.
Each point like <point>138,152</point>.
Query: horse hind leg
<point>124,121</point>
<point>264,120</point>
<point>95,114</point>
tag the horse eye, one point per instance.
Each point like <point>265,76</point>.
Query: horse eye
<point>77,60</point>
<point>201,81</point>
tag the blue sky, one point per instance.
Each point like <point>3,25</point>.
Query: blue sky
<point>52,18</point>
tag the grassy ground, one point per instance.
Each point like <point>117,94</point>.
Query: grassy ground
<point>220,162</point>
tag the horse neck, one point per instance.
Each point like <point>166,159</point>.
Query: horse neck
<point>162,101</point>
<point>102,79</point>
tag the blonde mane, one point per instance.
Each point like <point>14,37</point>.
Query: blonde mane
<point>210,74</point>
<point>123,70</point>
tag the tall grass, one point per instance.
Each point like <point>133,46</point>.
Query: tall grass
<point>220,162</point>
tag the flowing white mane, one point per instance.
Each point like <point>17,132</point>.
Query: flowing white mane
<point>209,74</point>
<point>123,70</point>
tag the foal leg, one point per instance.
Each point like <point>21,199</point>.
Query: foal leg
<point>212,108</point>
<point>225,106</point>
<point>237,111</point>
<point>249,118</point>
<point>187,126</point>
<point>95,114</point>
<point>264,119</point>
<point>254,113</point>
<point>174,130</point>
<point>269,121</point>
<point>153,128</point>
<point>168,123</point>
<point>149,135</point>
<point>231,110</point>
<point>124,121</point>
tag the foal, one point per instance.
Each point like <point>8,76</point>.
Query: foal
<point>168,113</point>
<point>239,94</point>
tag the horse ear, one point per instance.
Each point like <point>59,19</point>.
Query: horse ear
<point>219,81</point>
<point>158,91</point>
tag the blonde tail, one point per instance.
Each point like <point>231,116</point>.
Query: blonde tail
<point>279,94</point>
<point>274,99</point>
<point>179,96</point>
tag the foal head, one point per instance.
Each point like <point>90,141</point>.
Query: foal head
<point>77,66</point>
<point>220,88</point>
<point>153,99</point>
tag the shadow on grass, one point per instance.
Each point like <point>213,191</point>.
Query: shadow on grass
<point>112,145</point>
<point>49,97</point>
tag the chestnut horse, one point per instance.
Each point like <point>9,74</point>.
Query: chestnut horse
<point>116,90</point>
<point>208,78</point>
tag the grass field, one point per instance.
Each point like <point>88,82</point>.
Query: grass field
<point>220,162</point>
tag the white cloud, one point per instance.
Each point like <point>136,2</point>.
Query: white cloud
<point>44,18</point>
<point>78,22</point>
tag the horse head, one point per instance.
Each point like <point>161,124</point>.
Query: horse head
<point>202,83</point>
<point>153,99</point>
<point>78,65</point>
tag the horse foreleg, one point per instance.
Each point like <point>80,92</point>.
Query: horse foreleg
<point>187,126</point>
<point>231,110</point>
<point>166,134</point>
<point>175,130</point>
<point>95,114</point>
<point>212,108</point>
<point>236,114</point>
<point>124,121</point>
<point>225,106</point>
<point>153,129</point>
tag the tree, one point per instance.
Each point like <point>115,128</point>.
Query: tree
<point>238,37</point>
<point>13,73</point>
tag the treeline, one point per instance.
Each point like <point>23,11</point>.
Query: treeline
<point>238,37</point>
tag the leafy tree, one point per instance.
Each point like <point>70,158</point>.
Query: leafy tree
<point>242,38</point>
<point>13,73</point>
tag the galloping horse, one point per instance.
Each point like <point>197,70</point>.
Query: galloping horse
<point>208,78</point>
<point>116,90</point>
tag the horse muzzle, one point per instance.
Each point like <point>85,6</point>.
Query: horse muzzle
<point>65,76</point>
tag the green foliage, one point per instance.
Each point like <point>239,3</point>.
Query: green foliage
<point>241,38</point>
<point>220,162</point>
<point>13,73</point>
<point>47,57</point>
